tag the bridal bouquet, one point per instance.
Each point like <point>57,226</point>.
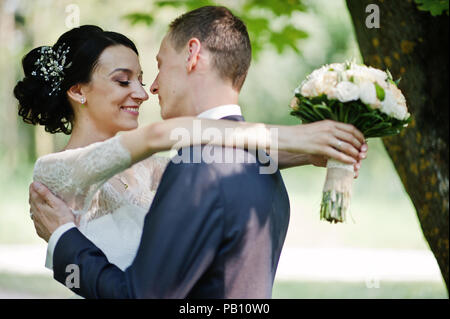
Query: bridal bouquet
<point>356,94</point>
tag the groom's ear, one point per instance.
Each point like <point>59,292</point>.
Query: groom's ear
<point>194,47</point>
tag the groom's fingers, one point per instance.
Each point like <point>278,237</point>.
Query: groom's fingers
<point>35,198</point>
<point>37,205</point>
<point>44,195</point>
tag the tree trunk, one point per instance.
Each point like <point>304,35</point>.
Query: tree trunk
<point>413,45</point>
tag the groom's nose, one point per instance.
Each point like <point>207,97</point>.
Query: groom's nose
<point>154,88</point>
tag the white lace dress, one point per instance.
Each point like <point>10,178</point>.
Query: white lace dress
<point>113,198</point>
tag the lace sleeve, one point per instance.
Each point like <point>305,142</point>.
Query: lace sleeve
<point>156,165</point>
<point>76,175</point>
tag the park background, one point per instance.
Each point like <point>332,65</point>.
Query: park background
<point>379,253</point>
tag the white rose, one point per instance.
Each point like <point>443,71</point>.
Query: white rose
<point>317,74</point>
<point>332,94</point>
<point>347,91</point>
<point>389,104</point>
<point>368,93</point>
<point>392,107</point>
<point>399,97</point>
<point>362,73</point>
<point>327,83</point>
<point>308,89</point>
<point>378,74</point>
<point>401,112</point>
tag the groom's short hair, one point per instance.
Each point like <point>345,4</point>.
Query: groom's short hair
<point>222,33</point>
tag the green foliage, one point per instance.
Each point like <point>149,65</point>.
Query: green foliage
<point>257,15</point>
<point>185,4</point>
<point>435,7</point>
<point>135,18</point>
<point>287,37</point>
<point>358,290</point>
<point>277,7</point>
<point>372,123</point>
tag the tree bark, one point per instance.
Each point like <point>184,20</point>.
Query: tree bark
<point>413,45</point>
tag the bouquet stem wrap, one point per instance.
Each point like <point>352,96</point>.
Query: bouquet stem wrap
<point>337,191</point>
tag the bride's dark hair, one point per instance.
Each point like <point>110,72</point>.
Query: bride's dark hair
<point>39,102</point>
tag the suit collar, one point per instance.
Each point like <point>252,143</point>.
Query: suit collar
<point>221,111</point>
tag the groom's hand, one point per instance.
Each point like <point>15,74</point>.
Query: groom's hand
<point>48,211</point>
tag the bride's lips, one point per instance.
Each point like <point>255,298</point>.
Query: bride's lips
<point>130,109</point>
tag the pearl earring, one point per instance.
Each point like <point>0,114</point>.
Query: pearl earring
<point>83,100</point>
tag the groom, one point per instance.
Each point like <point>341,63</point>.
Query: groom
<point>213,230</point>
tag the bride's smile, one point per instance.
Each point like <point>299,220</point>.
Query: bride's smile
<point>131,109</point>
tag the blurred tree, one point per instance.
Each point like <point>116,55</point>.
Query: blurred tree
<point>257,14</point>
<point>413,44</point>
<point>14,133</point>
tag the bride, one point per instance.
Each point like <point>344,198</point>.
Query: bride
<point>89,85</point>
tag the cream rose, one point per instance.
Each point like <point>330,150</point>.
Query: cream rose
<point>347,91</point>
<point>368,94</point>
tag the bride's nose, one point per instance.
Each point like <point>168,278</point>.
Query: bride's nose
<point>140,94</point>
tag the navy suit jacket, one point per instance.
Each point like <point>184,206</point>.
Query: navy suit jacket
<point>214,230</point>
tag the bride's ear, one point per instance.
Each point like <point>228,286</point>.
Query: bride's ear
<point>75,93</point>
<point>194,47</point>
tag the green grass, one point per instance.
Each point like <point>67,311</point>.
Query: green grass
<point>346,290</point>
<point>32,286</point>
<point>40,286</point>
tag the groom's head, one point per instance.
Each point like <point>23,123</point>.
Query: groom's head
<point>204,47</point>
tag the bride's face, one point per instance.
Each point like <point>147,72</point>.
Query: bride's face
<point>115,92</point>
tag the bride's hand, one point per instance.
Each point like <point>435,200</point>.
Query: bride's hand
<point>330,139</point>
<point>321,161</point>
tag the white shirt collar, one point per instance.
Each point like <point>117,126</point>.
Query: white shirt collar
<point>221,111</point>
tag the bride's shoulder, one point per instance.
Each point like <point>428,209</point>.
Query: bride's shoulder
<point>46,159</point>
<point>92,150</point>
<point>49,165</point>
<point>54,158</point>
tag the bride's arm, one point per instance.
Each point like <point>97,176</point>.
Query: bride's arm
<point>75,175</point>
<point>319,138</point>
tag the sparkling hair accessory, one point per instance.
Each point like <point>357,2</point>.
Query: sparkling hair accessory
<point>50,66</point>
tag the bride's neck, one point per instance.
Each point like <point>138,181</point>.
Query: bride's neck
<point>84,134</point>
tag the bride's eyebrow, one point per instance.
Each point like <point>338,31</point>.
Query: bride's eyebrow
<point>126,71</point>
